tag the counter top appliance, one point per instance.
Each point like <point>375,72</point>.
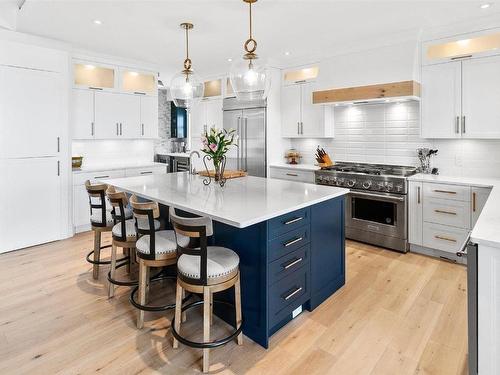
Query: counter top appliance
<point>376,208</point>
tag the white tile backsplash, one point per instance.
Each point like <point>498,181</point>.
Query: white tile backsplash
<point>389,133</point>
<point>97,152</point>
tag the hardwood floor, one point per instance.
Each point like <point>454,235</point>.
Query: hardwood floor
<point>397,314</point>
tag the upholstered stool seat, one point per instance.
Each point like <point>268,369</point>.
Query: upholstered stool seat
<point>221,262</point>
<point>130,228</point>
<point>96,217</point>
<point>164,243</point>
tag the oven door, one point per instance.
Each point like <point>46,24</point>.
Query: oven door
<point>381,213</point>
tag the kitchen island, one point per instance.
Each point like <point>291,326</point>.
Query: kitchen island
<point>289,237</point>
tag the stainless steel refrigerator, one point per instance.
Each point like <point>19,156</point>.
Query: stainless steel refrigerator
<point>248,118</point>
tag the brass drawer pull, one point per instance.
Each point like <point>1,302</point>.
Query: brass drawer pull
<point>292,174</point>
<point>293,220</point>
<point>445,212</point>
<point>445,191</point>
<point>445,238</point>
<point>292,263</point>
<point>292,294</point>
<point>290,243</point>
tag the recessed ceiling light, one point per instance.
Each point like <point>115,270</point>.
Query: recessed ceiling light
<point>485,6</point>
<point>287,53</point>
<point>229,59</point>
<point>98,22</point>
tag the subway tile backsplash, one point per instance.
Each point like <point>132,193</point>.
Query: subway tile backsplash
<point>389,133</point>
<point>371,133</point>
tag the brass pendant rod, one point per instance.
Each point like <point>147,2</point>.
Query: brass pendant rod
<point>187,43</point>
<point>250,5</point>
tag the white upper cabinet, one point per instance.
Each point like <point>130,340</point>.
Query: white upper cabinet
<point>207,114</point>
<point>82,114</point>
<point>441,100</point>
<point>138,82</point>
<point>300,117</point>
<point>91,75</point>
<point>149,117</point>
<point>31,103</point>
<point>130,116</point>
<point>117,115</point>
<point>481,97</point>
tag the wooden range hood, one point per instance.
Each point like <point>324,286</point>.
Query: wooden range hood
<point>404,89</point>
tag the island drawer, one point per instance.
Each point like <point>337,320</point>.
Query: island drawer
<point>290,221</point>
<point>288,242</point>
<point>288,294</point>
<point>288,264</point>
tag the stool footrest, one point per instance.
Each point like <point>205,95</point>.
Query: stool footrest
<point>102,262</point>
<point>157,277</point>
<point>205,345</point>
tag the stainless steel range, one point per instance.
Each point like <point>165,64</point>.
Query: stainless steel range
<point>376,207</point>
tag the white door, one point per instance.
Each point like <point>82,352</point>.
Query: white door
<point>108,107</point>
<point>214,113</point>
<point>415,212</point>
<point>31,214</point>
<point>149,116</point>
<point>130,116</point>
<point>82,114</point>
<point>441,100</point>
<point>481,97</point>
<point>198,120</point>
<point>478,200</point>
<point>30,112</point>
<point>290,110</point>
<point>313,119</point>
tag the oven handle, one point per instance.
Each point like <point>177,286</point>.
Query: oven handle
<point>389,197</point>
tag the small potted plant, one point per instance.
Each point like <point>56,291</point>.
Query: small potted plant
<point>216,143</point>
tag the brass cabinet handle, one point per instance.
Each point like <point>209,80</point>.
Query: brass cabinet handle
<point>292,263</point>
<point>445,191</point>
<point>292,174</point>
<point>293,220</point>
<point>445,212</point>
<point>292,294</point>
<point>445,238</point>
<point>473,201</point>
<point>290,243</point>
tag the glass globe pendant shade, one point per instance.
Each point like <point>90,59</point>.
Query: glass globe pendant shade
<point>186,89</point>
<point>250,79</point>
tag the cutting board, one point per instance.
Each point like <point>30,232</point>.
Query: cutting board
<point>227,174</point>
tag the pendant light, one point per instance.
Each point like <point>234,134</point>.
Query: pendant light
<point>250,79</point>
<point>186,88</point>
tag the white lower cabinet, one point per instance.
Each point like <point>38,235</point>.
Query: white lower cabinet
<point>130,172</point>
<point>441,216</point>
<point>292,174</point>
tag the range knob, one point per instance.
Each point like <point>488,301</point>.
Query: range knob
<point>367,184</point>
<point>399,188</point>
<point>340,181</point>
<point>380,185</point>
<point>351,183</point>
<point>389,186</point>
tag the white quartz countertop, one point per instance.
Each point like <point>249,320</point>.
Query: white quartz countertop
<point>240,203</point>
<point>487,229</point>
<point>116,166</point>
<point>299,167</point>
<point>176,154</point>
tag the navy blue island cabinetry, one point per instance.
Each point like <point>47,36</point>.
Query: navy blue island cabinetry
<point>293,260</point>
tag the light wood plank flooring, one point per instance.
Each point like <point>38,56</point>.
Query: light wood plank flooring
<point>397,314</point>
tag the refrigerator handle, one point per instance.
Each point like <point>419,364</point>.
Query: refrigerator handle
<point>246,144</point>
<point>238,122</point>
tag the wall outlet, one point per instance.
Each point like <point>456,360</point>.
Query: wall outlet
<point>297,311</point>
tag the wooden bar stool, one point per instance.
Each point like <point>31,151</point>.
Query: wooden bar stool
<point>101,220</point>
<point>124,236</point>
<point>153,249</point>
<point>206,270</point>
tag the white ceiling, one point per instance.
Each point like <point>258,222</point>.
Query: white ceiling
<point>149,31</point>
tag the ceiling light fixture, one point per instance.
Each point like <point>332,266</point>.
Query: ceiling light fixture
<point>98,22</point>
<point>287,53</point>
<point>249,79</point>
<point>485,6</point>
<point>230,59</point>
<point>186,88</point>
